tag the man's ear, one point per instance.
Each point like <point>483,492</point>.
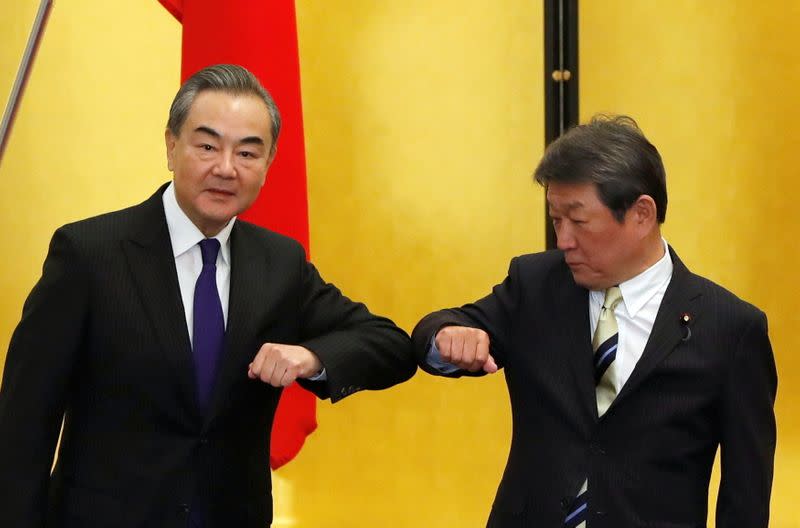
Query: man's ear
<point>169,140</point>
<point>644,210</point>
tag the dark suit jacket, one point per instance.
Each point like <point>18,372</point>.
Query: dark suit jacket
<point>103,343</point>
<point>649,458</point>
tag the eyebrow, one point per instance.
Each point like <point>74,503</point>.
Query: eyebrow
<point>249,140</point>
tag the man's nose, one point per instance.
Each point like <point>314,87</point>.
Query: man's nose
<point>564,239</point>
<point>225,166</point>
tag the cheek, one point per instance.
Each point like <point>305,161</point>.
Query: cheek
<point>613,250</point>
<point>590,243</point>
<point>255,180</point>
<point>597,249</point>
<point>251,187</point>
<point>186,166</point>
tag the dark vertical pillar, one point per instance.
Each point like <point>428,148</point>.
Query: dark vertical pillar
<point>561,77</point>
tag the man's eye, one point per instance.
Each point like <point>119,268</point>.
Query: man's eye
<point>246,154</point>
<point>206,147</point>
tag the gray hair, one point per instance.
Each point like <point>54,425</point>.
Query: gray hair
<point>227,78</point>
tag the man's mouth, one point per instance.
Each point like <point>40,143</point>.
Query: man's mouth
<point>220,192</point>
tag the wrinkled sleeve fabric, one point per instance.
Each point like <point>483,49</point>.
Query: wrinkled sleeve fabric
<point>358,349</point>
<point>42,355</point>
<point>493,314</point>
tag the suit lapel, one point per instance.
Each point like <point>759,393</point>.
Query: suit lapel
<point>572,307</point>
<point>249,298</point>
<point>149,254</point>
<point>668,330</point>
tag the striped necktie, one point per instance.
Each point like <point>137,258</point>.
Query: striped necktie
<point>604,344</point>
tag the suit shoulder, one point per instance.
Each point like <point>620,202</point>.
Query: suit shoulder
<point>543,260</point>
<point>547,265</point>
<point>538,273</point>
<point>266,237</point>
<point>109,227</point>
<point>728,303</point>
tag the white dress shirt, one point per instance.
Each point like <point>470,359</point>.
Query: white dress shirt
<point>185,237</point>
<point>636,314</point>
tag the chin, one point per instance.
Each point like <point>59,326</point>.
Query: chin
<point>221,213</point>
<point>579,280</point>
<point>586,282</point>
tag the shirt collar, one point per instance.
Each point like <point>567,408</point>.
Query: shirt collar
<point>641,288</point>
<point>183,234</point>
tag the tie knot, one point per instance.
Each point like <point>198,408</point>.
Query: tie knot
<point>613,297</point>
<point>209,247</point>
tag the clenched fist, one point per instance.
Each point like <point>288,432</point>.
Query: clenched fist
<point>467,348</point>
<point>279,365</point>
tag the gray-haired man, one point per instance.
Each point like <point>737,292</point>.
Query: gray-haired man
<point>162,334</point>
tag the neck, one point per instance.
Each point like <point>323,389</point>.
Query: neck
<point>655,249</point>
<point>210,232</point>
<point>652,251</point>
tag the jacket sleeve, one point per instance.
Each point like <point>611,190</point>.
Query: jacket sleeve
<point>358,349</point>
<point>36,380</point>
<point>492,314</point>
<point>748,431</point>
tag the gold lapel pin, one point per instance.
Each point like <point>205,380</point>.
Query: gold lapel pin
<point>685,319</point>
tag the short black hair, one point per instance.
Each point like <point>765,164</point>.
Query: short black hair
<point>612,153</point>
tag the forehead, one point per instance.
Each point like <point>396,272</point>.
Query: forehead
<point>224,111</point>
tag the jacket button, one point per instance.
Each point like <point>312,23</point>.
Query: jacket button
<point>565,503</point>
<point>184,508</point>
<point>204,441</point>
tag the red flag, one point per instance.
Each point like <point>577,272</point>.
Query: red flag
<point>261,35</point>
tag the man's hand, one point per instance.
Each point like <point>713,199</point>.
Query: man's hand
<point>467,348</point>
<point>279,365</point>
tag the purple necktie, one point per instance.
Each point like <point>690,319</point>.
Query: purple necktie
<point>209,325</point>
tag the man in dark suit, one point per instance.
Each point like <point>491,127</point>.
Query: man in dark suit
<point>625,370</point>
<point>162,334</point>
